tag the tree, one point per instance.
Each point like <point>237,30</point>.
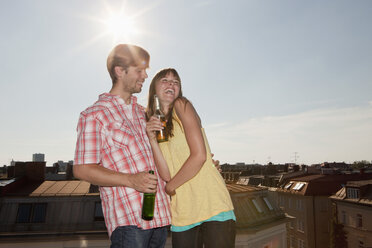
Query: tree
<point>338,235</point>
<point>360,164</point>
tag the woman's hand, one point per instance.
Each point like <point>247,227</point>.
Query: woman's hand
<point>169,191</point>
<point>153,125</point>
<point>216,163</point>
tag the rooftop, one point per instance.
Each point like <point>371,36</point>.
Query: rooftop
<point>321,185</point>
<point>253,208</point>
<point>51,188</point>
<point>360,192</point>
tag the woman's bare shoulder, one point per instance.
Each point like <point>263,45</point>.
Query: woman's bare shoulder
<point>185,110</point>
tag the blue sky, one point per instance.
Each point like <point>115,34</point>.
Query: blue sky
<point>270,79</point>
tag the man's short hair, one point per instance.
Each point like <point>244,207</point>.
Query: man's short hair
<point>125,55</point>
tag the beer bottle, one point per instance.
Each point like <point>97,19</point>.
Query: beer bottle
<point>148,204</point>
<point>160,135</point>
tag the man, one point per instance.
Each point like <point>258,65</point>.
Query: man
<point>113,151</point>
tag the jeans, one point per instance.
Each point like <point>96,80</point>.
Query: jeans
<point>213,234</point>
<point>134,237</point>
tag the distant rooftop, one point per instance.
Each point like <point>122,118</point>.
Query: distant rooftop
<point>53,188</point>
<point>359,192</point>
<point>253,209</point>
<point>321,184</point>
<point>4,182</point>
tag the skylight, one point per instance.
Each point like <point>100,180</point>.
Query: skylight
<point>288,185</point>
<point>268,203</point>
<point>257,206</point>
<point>299,186</point>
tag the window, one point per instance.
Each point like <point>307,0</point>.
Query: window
<point>299,205</point>
<point>292,241</point>
<point>361,244</point>
<point>288,185</point>
<point>352,193</point>
<point>301,243</point>
<point>31,213</point>
<point>359,220</point>
<point>281,201</point>
<point>299,186</point>
<point>291,224</point>
<point>324,206</point>
<point>343,217</point>
<point>300,226</point>
<point>98,214</point>
<point>39,212</point>
<point>24,213</point>
<point>268,203</point>
<point>257,206</point>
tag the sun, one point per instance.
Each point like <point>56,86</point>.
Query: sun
<point>121,26</point>
<point>118,22</point>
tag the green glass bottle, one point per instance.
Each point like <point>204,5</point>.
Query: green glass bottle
<point>148,204</point>
<point>160,135</point>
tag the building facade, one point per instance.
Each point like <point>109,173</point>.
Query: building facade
<point>306,198</point>
<point>260,222</point>
<point>38,157</point>
<point>57,211</point>
<point>353,206</point>
<point>38,212</point>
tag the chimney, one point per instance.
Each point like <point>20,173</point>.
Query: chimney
<point>35,171</point>
<point>20,169</point>
<point>69,175</point>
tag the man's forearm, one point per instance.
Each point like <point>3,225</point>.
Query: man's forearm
<point>98,175</point>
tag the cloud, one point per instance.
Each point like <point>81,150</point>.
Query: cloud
<point>343,134</point>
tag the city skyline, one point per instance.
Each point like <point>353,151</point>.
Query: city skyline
<point>269,79</point>
<point>294,161</point>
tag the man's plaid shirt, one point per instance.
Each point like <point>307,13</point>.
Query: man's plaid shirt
<point>108,138</point>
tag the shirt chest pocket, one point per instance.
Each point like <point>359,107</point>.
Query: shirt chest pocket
<point>120,134</point>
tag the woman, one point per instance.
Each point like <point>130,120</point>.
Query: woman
<point>202,211</point>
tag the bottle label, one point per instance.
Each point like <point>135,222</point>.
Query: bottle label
<point>160,135</point>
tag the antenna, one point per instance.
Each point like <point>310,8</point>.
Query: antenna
<point>295,157</point>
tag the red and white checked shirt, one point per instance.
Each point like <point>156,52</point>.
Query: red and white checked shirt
<point>107,137</point>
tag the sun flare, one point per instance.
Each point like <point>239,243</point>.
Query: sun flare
<point>121,27</point>
<point>119,23</point>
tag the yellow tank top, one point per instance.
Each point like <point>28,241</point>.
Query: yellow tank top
<point>202,197</point>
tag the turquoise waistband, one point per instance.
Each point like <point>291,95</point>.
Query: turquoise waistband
<point>223,216</point>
